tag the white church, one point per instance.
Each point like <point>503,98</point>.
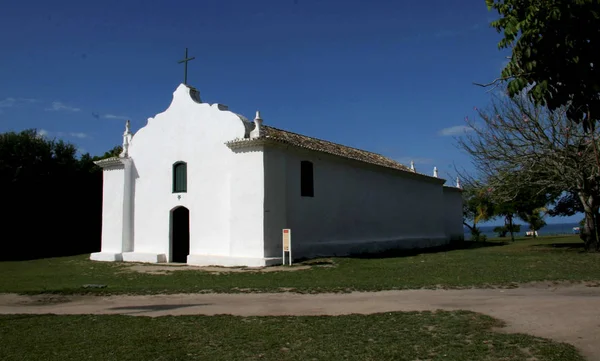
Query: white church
<point>202,185</point>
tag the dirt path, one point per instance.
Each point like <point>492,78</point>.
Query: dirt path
<point>563,313</point>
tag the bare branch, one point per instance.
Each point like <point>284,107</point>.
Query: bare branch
<point>494,82</point>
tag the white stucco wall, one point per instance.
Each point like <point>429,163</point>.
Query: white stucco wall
<point>247,199</point>
<point>195,133</point>
<point>112,210</point>
<point>275,203</point>
<point>453,213</point>
<point>356,207</point>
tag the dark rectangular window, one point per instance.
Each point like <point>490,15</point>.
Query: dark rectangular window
<point>307,186</point>
<point>179,177</point>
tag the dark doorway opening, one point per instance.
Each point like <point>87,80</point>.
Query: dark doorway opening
<point>180,234</point>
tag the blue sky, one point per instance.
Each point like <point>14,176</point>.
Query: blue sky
<point>393,77</point>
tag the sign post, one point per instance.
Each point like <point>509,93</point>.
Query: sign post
<point>287,245</point>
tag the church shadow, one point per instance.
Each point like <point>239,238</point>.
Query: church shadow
<point>564,246</point>
<point>397,253</point>
<point>152,308</point>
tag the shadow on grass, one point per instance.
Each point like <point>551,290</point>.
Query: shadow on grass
<point>151,308</point>
<point>567,245</point>
<point>18,317</point>
<point>396,253</point>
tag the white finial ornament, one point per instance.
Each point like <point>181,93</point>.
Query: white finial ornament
<point>126,140</point>
<point>435,172</point>
<point>457,182</point>
<point>412,166</point>
<point>255,133</point>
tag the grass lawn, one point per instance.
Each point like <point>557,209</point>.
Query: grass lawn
<point>410,336</point>
<point>492,263</point>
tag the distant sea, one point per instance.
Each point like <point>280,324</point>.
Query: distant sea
<point>547,230</point>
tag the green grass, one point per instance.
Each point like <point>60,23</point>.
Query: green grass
<point>549,258</point>
<point>457,336</point>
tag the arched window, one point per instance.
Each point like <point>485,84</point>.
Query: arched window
<point>180,177</point>
<point>307,186</point>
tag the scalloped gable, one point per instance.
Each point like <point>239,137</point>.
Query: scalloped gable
<point>187,98</point>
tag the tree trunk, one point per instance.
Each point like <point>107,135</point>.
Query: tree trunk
<point>468,226</point>
<point>508,221</point>
<point>589,233</point>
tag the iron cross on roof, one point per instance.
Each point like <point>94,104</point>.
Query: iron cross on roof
<point>185,61</point>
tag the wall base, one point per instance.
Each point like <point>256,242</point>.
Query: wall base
<point>106,257</point>
<point>144,257</point>
<point>227,261</point>
<point>347,248</point>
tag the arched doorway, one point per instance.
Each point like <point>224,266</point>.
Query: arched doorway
<point>180,234</point>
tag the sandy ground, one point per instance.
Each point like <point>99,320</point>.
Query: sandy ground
<point>566,313</point>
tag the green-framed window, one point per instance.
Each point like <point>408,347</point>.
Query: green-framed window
<point>180,177</point>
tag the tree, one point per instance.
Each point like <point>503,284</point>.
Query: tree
<point>554,53</point>
<point>503,230</point>
<point>113,152</point>
<point>51,200</point>
<point>535,219</point>
<point>526,199</point>
<point>566,205</point>
<point>507,209</point>
<point>519,145</point>
<point>477,207</point>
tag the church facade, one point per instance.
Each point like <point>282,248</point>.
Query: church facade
<point>202,185</point>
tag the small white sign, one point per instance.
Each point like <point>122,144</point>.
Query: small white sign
<point>287,244</point>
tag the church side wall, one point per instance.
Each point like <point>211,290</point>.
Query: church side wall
<point>453,214</point>
<point>275,200</point>
<point>247,199</point>
<point>360,208</point>
<point>112,210</point>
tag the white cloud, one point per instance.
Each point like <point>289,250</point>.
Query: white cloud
<point>112,116</point>
<point>7,103</point>
<point>455,130</point>
<point>78,135</point>
<point>13,102</point>
<point>60,106</point>
<point>46,133</point>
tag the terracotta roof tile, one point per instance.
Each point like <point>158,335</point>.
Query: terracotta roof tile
<point>320,145</point>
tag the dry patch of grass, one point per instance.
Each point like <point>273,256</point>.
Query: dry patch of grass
<point>162,269</point>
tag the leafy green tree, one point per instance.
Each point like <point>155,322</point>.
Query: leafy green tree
<point>526,200</point>
<point>503,230</point>
<point>507,210</point>
<point>477,207</point>
<point>566,205</point>
<point>554,56</point>
<point>51,200</point>
<point>114,152</point>
<point>535,219</point>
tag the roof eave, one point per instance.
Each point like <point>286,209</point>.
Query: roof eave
<point>111,163</point>
<point>247,143</point>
